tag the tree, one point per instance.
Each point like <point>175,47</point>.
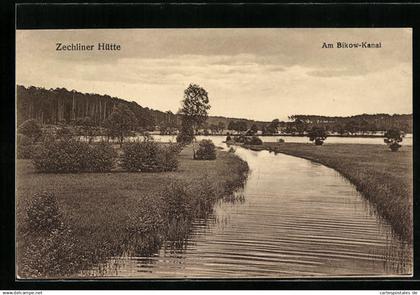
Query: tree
<point>232,125</point>
<point>393,137</point>
<point>31,129</point>
<point>194,110</point>
<point>318,135</point>
<point>272,127</point>
<point>214,128</point>
<point>221,126</point>
<point>87,127</point>
<point>195,105</point>
<point>300,126</point>
<point>351,126</point>
<point>120,122</point>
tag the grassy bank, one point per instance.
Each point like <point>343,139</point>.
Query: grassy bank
<point>385,178</point>
<point>107,214</point>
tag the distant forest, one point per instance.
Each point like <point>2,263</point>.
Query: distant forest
<point>354,124</point>
<point>62,106</point>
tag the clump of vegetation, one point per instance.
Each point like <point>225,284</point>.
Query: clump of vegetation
<point>49,252</point>
<point>64,133</point>
<point>186,135</point>
<point>31,129</point>
<point>318,135</point>
<point>67,156</point>
<point>148,156</point>
<point>99,158</point>
<point>120,122</point>
<point>43,213</point>
<point>250,140</point>
<point>24,147</point>
<point>254,140</point>
<point>393,137</point>
<point>206,150</point>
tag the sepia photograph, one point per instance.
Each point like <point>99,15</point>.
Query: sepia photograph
<point>223,153</point>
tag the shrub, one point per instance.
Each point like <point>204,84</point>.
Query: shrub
<point>393,137</point>
<point>168,158</point>
<point>318,135</point>
<point>185,138</point>
<point>30,128</point>
<point>175,147</point>
<point>177,202</point>
<point>24,147</point>
<point>149,157</point>
<point>280,140</point>
<point>64,133</point>
<point>240,138</point>
<point>254,140</point>
<point>43,213</point>
<point>99,158</point>
<point>74,156</point>
<point>206,150</point>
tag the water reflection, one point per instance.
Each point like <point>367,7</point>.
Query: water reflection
<point>293,218</point>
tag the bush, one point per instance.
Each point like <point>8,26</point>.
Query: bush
<point>64,133</point>
<point>99,158</point>
<point>30,128</point>
<point>393,137</point>
<point>318,135</point>
<point>24,147</point>
<point>184,138</point>
<point>43,213</point>
<point>251,140</point>
<point>71,155</point>
<point>254,140</point>
<point>149,157</point>
<point>206,150</point>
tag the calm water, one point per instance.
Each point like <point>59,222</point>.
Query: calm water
<point>294,218</point>
<point>408,139</point>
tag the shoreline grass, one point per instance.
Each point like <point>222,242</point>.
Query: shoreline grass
<point>383,177</point>
<point>107,214</point>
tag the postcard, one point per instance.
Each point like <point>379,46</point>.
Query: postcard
<point>225,153</point>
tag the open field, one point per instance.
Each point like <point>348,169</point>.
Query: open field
<point>383,177</point>
<point>103,211</point>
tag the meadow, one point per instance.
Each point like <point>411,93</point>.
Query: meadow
<point>106,214</point>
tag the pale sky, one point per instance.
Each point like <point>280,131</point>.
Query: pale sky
<point>258,74</point>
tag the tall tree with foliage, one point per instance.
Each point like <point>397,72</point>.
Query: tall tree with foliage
<point>195,106</point>
<point>120,122</point>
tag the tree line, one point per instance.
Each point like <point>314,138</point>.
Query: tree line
<point>62,106</point>
<point>70,107</point>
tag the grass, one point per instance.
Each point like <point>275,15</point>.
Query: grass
<point>383,177</point>
<point>103,213</point>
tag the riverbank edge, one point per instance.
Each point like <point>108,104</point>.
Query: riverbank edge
<point>369,190</point>
<point>192,188</point>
